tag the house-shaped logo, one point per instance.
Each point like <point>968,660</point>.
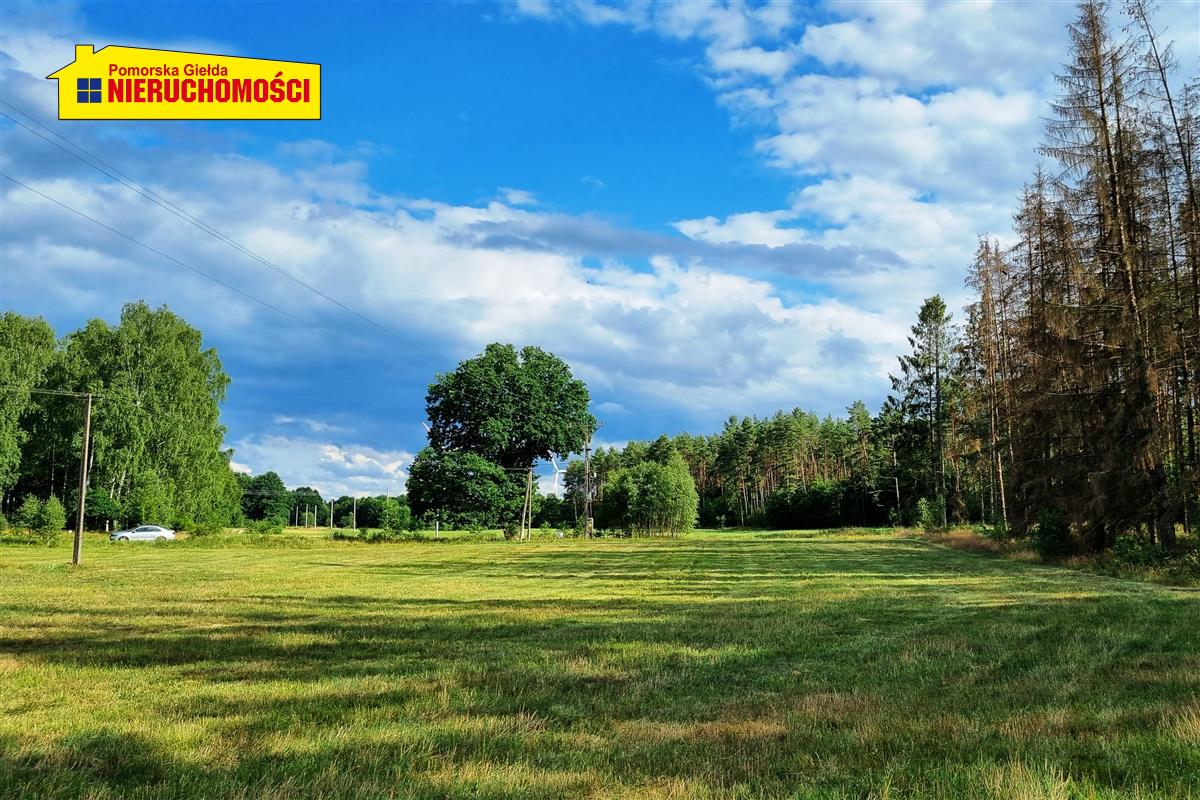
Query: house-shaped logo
<point>138,83</point>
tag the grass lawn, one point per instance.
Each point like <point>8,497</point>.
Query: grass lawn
<point>717,665</point>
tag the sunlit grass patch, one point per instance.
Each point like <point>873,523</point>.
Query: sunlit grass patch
<point>713,666</point>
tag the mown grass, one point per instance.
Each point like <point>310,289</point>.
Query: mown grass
<point>712,666</point>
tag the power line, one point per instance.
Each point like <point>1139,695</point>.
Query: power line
<point>154,250</point>
<point>149,194</point>
<point>13,387</point>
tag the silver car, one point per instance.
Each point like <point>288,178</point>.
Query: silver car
<point>142,533</point>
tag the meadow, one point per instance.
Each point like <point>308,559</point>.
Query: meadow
<point>731,665</point>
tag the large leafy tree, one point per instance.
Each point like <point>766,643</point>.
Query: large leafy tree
<point>27,349</point>
<point>156,432</point>
<point>512,408</point>
<point>463,489</point>
<point>266,497</point>
<point>491,419</point>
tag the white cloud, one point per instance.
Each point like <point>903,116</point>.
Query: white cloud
<point>910,126</point>
<point>633,330</point>
<point>751,227</point>
<point>535,8</point>
<point>314,425</point>
<point>752,60</point>
<point>923,44</point>
<point>517,197</point>
<point>330,468</point>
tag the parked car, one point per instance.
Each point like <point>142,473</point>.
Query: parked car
<point>142,533</point>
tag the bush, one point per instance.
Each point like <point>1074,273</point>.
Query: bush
<point>3,524</point>
<point>205,528</point>
<point>264,526</point>
<point>967,540</point>
<point>651,499</point>
<point>29,513</point>
<point>51,520</point>
<point>396,517</point>
<point>1183,569</point>
<point>1052,536</point>
<point>1138,552</point>
<point>373,535</point>
<point>929,514</point>
<point>391,535</point>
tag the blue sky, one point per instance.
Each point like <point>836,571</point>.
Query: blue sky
<point>707,209</point>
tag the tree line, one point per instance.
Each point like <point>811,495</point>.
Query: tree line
<point>157,451</point>
<point>1079,355</point>
<point>265,498</point>
<point>1066,402</point>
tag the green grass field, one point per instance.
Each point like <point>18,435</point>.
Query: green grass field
<point>717,665</point>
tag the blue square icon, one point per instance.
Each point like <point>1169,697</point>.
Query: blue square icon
<point>88,90</point>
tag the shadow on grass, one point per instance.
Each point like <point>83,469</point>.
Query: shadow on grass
<point>722,667</point>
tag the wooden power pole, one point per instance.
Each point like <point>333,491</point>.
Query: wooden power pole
<point>587,489</point>
<point>77,550</point>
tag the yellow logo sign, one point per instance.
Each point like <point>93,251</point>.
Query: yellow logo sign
<point>136,83</point>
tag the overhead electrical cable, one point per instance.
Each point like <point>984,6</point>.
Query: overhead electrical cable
<point>152,249</point>
<point>100,165</point>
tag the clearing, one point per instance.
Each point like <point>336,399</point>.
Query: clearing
<point>713,666</point>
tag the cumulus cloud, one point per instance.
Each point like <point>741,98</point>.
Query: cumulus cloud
<point>909,126</point>
<point>897,165</point>
<point>332,469</point>
<point>466,275</point>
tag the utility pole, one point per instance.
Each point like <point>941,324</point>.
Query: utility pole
<point>527,514</point>
<point>330,515</point>
<point>587,489</point>
<point>354,513</point>
<point>77,550</point>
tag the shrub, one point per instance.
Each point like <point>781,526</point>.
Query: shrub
<point>396,517</point>
<point>651,499</point>
<point>1052,535</point>
<point>204,528</point>
<point>51,520</point>
<point>3,524</point>
<point>1135,551</point>
<point>929,514</point>
<point>264,526</point>
<point>390,535</point>
<point>1183,569</point>
<point>29,513</point>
